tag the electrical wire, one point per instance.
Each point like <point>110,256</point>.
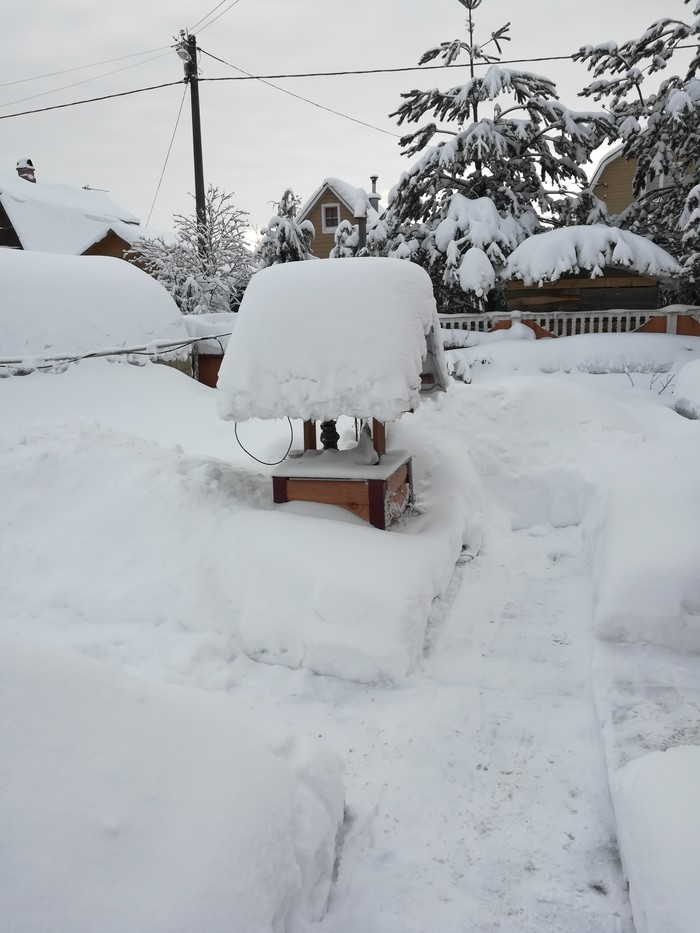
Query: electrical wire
<point>65,71</point>
<point>65,87</point>
<point>167,156</point>
<point>306,100</point>
<point>89,100</point>
<point>257,459</point>
<point>212,21</point>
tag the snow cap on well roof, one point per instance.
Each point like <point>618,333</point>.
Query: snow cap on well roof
<point>59,218</point>
<point>70,305</point>
<point>317,340</point>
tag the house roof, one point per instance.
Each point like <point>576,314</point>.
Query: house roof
<point>56,218</point>
<point>611,156</point>
<point>71,305</point>
<point>353,198</point>
<point>317,340</point>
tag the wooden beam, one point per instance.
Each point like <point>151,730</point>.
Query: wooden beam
<point>379,436</point>
<point>309,435</point>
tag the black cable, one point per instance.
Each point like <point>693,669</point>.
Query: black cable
<point>89,100</point>
<point>257,459</point>
<point>211,21</point>
<point>167,155</point>
<point>65,71</point>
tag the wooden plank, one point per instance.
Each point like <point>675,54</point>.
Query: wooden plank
<point>279,489</point>
<point>376,490</point>
<point>379,436</point>
<point>352,496</point>
<point>397,479</point>
<point>310,435</point>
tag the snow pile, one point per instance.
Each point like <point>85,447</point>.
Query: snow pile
<point>648,585</point>
<point>657,806</point>
<point>199,557</point>
<point>569,250</point>
<point>590,353</point>
<point>317,340</point>
<point>215,324</point>
<point>687,390</point>
<point>71,305</point>
<point>130,806</point>
<point>56,218</point>
<point>454,337</point>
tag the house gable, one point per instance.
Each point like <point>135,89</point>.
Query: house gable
<point>8,234</point>
<point>320,209</point>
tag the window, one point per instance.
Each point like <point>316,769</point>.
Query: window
<point>330,217</point>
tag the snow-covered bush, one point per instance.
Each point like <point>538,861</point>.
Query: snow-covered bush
<point>205,267</point>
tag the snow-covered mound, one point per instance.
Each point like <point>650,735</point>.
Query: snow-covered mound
<point>570,250</point>
<point>131,806</point>
<point>657,807</point>
<point>687,390</point>
<point>317,340</point>
<point>69,305</point>
<point>590,353</point>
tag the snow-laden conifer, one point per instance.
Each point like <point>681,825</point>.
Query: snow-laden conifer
<point>512,156</point>
<point>204,267</point>
<point>284,239</point>
<point>659,126</point>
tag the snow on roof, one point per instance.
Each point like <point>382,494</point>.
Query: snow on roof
<point>604,162</point>
<point>545,257</point>
<point>316,340</point>
<point>70,305</point>
<point>353,198</point>
<point>59,218</point>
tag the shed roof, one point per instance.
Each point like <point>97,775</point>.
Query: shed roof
<point>56,218</point>
<point>316,340</point>
<point>71,305</point>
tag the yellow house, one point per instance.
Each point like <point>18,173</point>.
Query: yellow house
<point>612,181</point>
<point>333,202</point>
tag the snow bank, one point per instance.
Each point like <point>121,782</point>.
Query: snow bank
<point>129,806</point>
<point>657,808</point>
<point>209,555</point>
<point>687,390</point>
<point>591,353</point>
<point>70,305</point>
<point>647,580</point>
<point>322,339</point>
<point>545,257</point>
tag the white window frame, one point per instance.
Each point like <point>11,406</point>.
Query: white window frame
<point>325,228</point>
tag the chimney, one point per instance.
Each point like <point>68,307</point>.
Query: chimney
<point>25,169</point>
<point>374,197</point>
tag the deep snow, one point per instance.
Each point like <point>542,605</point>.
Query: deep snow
<point>476,786</point>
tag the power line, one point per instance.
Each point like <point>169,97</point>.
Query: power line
<point>65,87</point>
<point>65,71</point>
<point>167,155</point>
<point>230,6</point>
<point>306,100</point>
<point>88,100</point>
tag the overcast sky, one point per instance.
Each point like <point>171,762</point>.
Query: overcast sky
<point>257,140</point>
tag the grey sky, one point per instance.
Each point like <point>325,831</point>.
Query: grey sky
<point>257,140</point>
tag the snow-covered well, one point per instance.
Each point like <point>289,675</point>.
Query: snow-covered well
<point>317,340</point>
<point>56,306</point>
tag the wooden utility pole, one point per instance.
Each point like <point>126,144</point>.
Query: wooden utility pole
<point>188,44</point>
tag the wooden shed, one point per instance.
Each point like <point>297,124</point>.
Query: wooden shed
<point>317,341</point>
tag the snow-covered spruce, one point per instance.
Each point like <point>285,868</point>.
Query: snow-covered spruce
<point>512,154</point>
<point>284,239</point>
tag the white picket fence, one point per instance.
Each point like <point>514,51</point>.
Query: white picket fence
<point>566,323</point>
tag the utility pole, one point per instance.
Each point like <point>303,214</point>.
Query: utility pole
<point>187,50</point>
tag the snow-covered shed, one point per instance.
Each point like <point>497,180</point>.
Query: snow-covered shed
<point>345,337</point>
<point>55,218</point>
<point>333,202</point>
<point>60,307</point>
<point>586,268</point>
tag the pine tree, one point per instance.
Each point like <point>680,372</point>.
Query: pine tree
<point>512,154</point>
<point>284,239</point>
<point>660,128</point>
<point>204,268</point>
